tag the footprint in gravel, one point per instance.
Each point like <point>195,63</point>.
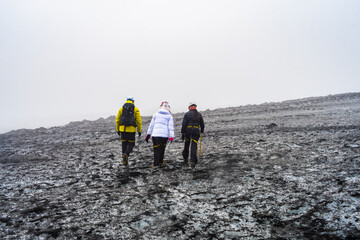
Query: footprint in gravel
<point>137,174</point>
<point>201,174</point>
<point>123,178</point>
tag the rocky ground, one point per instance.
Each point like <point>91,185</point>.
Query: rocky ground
<point>286,170</point>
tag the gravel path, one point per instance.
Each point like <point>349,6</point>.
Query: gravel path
<point>277,170</point>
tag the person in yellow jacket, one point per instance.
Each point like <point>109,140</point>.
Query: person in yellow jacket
<point>128,120</point>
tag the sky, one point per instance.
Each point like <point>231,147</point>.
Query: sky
<point>69,60</point>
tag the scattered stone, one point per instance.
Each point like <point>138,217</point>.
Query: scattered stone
<point>271,126</point>
<point>299,182</point>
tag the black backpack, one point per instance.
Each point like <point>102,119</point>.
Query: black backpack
<point>127,117</point>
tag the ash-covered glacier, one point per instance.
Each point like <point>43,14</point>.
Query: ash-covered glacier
<point>287,170</point>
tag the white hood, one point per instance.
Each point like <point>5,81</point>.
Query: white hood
<point>162,124</point>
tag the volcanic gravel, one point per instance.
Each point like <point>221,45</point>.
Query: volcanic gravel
<point>287,170</point>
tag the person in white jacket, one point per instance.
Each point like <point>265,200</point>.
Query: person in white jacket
<point>161,129</point>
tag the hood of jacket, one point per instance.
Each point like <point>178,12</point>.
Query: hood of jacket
<point>163,111</point>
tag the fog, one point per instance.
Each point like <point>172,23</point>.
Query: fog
<point>65,61</point>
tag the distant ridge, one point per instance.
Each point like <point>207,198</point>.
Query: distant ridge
<point>107,120</point>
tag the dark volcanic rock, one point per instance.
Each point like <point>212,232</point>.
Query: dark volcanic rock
<point>286,170</point>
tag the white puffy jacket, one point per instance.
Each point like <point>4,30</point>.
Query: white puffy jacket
<point>162,124</point>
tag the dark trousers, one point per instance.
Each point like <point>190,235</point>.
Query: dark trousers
<point>128,142</point>
<point>159,144</point>
<point>192,136</point>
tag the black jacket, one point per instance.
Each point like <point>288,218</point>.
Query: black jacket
<point>190,120</point>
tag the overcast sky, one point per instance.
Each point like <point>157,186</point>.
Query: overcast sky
<point>70,60</point>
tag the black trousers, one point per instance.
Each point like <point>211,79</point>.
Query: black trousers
<point>192,136</point>
<point>128,142</point>
<point>159,144</point>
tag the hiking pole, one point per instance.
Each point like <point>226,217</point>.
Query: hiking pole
<point>200,145</point>
<point>166,149</point>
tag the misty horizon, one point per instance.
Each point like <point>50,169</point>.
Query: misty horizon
<point>95,117</point>
<point>64,61</point>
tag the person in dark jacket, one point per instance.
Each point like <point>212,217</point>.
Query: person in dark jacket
<point>192,126</point>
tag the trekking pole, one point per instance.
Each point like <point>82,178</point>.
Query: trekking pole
<point>200,145</point>
<point>166,149</point>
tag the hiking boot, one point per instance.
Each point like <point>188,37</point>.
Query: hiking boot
<point>185,157</point>
<point>155,168</point>
<point>125,159</point>
<point>193,165</point>
<point>163,164</point>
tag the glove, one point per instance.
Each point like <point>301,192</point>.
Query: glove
<point>119,133</point>
<point>182,136</point>
<point>139,134</point>
<point>171,139</point>
<point>147,138</point>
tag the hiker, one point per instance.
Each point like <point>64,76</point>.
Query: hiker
<point>128,120</point>
<point>161,129</point>
<point>192,125</point>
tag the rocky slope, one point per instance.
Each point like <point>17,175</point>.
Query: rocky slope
<point>286,170</point>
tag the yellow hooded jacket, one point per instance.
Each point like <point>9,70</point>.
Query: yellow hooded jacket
<point>122,128</point>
